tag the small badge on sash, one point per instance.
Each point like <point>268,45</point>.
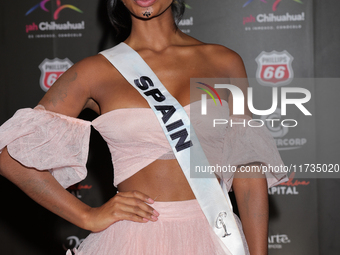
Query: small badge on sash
<point>220,223</point>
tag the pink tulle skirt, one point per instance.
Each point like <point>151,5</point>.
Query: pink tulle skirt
<point>181,229</point>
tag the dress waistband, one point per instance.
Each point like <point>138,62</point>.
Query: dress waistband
<point>178,209</point>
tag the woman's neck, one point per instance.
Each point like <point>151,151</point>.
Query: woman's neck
<point>155,34</point>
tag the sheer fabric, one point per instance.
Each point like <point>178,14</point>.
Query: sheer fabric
<point>230,145</point>
<point>244,145</point>
<point>49,141</point>
<point>181,229</point>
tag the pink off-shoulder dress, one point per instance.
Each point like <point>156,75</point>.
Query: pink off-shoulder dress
<point>49,141</point>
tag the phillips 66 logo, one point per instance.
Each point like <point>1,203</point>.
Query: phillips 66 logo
<point>274,68</point>
<point>51,70</point>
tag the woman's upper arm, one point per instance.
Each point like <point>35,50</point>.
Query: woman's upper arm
<point>73,91</point>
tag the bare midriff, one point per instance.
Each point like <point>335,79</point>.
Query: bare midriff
<point>162,180</point>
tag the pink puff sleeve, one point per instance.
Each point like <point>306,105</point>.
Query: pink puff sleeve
<point>245,144</point>
<point>48,141</point>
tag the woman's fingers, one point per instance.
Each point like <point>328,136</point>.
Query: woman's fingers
<point>136,194</point>
<point>132,213</point>
<point>137,207</point>
<point>132,206</point>
<point>135,201</point>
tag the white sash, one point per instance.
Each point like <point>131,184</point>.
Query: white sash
<point>175,123</point>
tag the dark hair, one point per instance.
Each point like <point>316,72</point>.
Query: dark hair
<point>120,16</point>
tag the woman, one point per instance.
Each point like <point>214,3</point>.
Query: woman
<point>124,224</point>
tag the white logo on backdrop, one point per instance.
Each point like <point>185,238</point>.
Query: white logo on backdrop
<point>186,22</point>
<point>276,241</point>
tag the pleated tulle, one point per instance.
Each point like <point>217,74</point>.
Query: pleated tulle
<point>181,229</point>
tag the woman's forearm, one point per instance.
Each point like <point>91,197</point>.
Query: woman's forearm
<point>252,202</point>
<point>42,187</point>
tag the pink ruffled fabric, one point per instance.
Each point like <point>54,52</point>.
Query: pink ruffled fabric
<point>181,229</point>
<point>235,145</point>
<point>48,141</point>
<point>244,145</point>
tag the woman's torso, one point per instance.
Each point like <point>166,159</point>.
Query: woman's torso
<point>174,66</point>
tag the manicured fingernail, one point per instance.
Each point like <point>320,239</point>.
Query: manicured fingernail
<point>153,217</point>
<point>155,213</point>
<point>150,200</point>
<point>146,220</point>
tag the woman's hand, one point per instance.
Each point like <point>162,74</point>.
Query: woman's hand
<point>42,187</point>
<point>131,205</point>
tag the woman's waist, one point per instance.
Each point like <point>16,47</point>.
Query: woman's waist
<point>162,180</point>
<point>160,192</point>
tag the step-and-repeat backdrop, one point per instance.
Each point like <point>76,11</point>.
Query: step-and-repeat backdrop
<point>275,38</point>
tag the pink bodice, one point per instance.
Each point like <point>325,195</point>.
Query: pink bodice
<point>135,139</point>
<point>49,141</point>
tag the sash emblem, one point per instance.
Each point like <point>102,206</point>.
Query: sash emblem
<point>221,224</point>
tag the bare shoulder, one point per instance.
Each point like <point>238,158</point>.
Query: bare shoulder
<point>74,90</point>
<point>225,60</point>
<point>229,64</point>
<point>92,70</point>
